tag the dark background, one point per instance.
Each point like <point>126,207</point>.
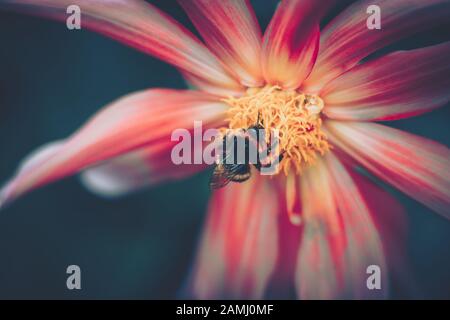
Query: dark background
<point>140,246</point>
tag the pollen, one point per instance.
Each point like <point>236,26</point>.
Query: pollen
<point>295,116</point>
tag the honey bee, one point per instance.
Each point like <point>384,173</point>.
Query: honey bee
<point>252,139</point>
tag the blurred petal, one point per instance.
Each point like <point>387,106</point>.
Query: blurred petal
<point>340,239</point>
<point>141,26</point>
<point>135,121</point>
<point>231,31</point>
<point>239,247</point>
<point>291,42</point>
<point>195,83</point>
<point>417,166</point>
<point>346,40</point>
<point>392,222</point>
<point>146,166</point>
<point>399,85</point>
<point>390,219</point>
<point>290,226</point>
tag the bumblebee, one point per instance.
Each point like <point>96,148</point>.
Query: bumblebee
<point>239,170</point>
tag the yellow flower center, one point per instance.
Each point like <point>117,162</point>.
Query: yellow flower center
<point>295,116</point>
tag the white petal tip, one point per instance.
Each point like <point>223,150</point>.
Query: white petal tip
<point>6,196</point>
<point>102,184</point>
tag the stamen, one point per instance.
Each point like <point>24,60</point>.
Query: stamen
<point>295,115</point>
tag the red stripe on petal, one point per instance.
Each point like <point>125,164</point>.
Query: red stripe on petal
<point>238,251</point>
<point>146,166</point>
<point>133,122</point>
<point>417,166</point>
<point>291,42</point>
<point>395,86</point>
<point>143,27</point>
<point>231,31</point>
<point>340,239</point>
<point>346,40</point>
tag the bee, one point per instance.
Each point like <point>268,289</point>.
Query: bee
<point>252,139</point>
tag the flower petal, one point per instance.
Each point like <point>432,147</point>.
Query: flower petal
<point>196,83</point>
<point>143,27</point>
<point>291,42</point>
<point>391,222</point>
<point>239,247</point>
<point>231,31</point>
<point>399,85</point>
<point>135,121</point>
<point>340,239</point>
<point>346,40</point>
<point>417,166</point>
<point>138,169</point>
<point>290,226</point>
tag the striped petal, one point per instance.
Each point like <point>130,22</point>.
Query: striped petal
<point>141,26</point>
<point>146,166</point>
<point>196,83</point>
<point>391,221</point>
<point>231,31</point>
<point>417,166</point>
<point>239,247</point>
<point>346,40</point>
<point>399,85</point>
<point>340,239</point>
<point>135,121</point>
<point>291,43</point>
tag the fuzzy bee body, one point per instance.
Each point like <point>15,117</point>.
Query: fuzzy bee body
<point>239,171</point>
<point>225,173</point>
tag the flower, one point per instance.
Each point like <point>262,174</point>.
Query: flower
<point>316,224</point>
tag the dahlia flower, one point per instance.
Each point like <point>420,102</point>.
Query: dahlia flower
<point>315,225</point>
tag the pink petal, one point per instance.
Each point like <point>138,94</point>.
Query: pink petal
<point>391,221</point>
<point>399,85</point>
<point>146,166</point>
<point>417,166</point>
<point>196,83</point>
<point>291,42</point>
<point>340,239</point>
<point>238,250</point>
<point>138,120</point>
<point>346,40</point>
<point>290,227</point>
<point>143,27</point>
<point>232,33</point>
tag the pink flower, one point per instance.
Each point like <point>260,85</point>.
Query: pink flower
<point>315,225</point>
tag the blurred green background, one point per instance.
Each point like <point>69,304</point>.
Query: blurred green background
<point>140,246</point>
